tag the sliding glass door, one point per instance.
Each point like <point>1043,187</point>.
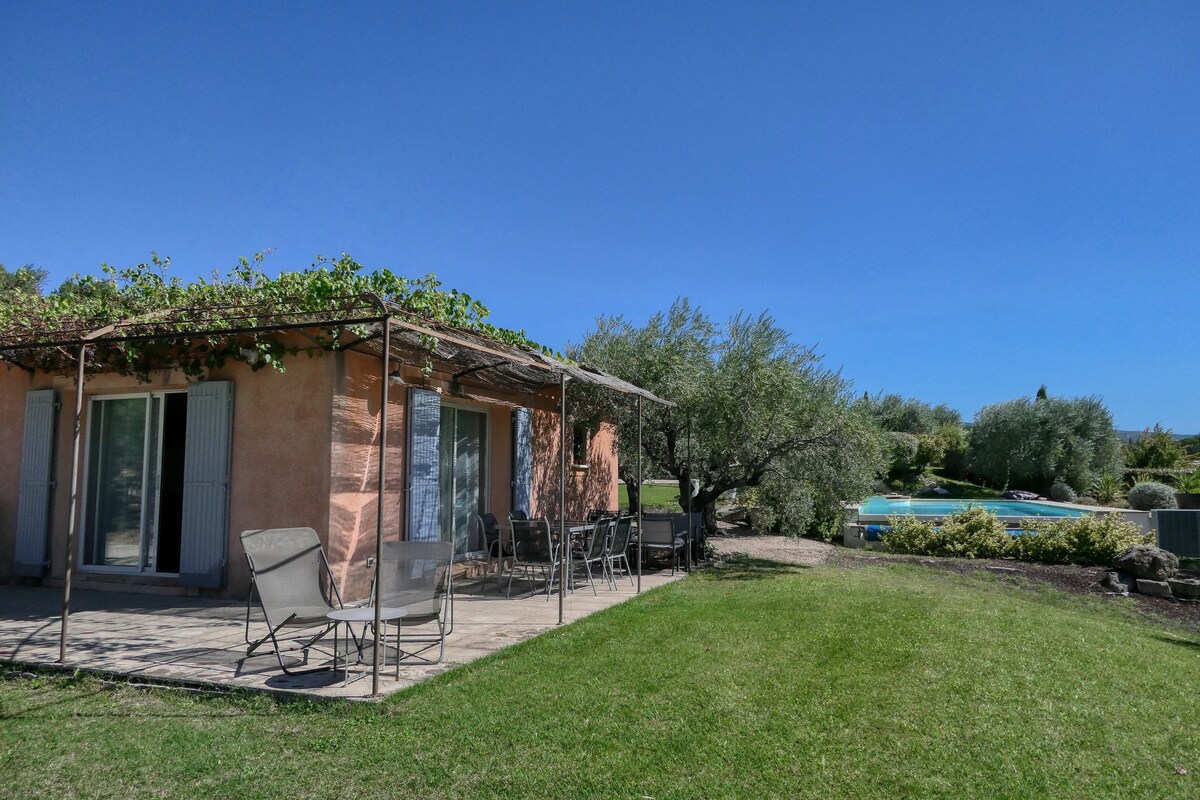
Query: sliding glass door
<point>462,474</point>
<point>133,506</point>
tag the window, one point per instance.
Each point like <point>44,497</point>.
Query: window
<point>579,446</point>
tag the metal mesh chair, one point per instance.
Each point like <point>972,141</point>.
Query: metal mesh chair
<point>533,549</point>
<point>597,549</point>
<point>618,547</point>
<point>417,577</point>
<point>291,577</point>
<point>491,540</point>
<point>660,533</point>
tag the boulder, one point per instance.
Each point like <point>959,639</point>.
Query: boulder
<point>1153,588</point>
<point>1185,587</point>
<point>1147,561</point>
<point>1119,582</point>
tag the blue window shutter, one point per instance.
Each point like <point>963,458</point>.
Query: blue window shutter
<point>424,442</point>
<point>37,479</point>
<point>522,470</point>
<point>206,484</point>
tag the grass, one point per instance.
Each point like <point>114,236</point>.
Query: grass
<point>752,680</point>
<point>963,490</point>
<point>654,495</point>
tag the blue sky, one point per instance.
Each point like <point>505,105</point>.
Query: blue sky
<point>955,201</point>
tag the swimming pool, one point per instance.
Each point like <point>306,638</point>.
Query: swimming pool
<point>878,509</point>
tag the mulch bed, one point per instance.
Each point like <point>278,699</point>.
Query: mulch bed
<point>1069,578</point>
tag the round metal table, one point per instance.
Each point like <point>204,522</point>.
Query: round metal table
<point>366,616</point>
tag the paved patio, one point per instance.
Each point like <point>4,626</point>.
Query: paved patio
<point>201,641</point>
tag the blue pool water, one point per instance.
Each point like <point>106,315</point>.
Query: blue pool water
<point>883,507</point>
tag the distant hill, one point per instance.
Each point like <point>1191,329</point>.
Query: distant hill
<point>1132,436</point>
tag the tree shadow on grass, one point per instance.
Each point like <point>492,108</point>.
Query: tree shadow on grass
<point>742,567</point>
<point>1190,644</point>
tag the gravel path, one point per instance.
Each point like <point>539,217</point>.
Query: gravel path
<point>772,546</point>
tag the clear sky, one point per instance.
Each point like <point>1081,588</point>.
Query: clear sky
<point>956,201</point>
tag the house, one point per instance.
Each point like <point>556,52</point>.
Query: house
<point>171,467</point>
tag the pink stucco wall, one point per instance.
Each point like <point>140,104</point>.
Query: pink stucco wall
<point>305,453</point>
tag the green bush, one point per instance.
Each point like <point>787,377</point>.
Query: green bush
<point>976,533</point>
<point>1150,495</point>
<point>908,534</point>
<point>1088,540</point>
<point>1108,489</point>
<point>1061,492</point>
<point>901,450</point>
<point>973,533</point>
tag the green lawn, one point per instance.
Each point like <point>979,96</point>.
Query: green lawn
<point>963,489</point>
<point>654,495</point>
<point>749,681</point>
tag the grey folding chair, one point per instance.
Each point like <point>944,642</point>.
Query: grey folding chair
<point>417,577</point>
<point>291,577</point>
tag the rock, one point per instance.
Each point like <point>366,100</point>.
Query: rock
<point>1185,587</point>
<point>1147,561</point>
<point>1154,588</point>
<point>1018,494</point>
<point>1119,582</point>
<point>938,490</point>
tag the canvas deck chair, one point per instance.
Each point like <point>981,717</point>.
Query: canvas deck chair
<point>418,577</point>
<point>295,589</point>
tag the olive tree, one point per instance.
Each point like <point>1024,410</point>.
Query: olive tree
<point>755,408</point>
<point>1034,443</point>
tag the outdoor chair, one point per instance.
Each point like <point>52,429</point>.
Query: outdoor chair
<point>618,550</point>
<point>661,533</point>
<point>533,549</point>
<point>417,577</point>
<point>490,539</point>
<point>294,585</point>
<point>596,549</point>
<point>518,514</point>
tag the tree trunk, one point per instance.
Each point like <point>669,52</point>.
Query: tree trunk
<point>635,495</point>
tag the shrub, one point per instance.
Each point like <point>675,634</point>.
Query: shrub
<point>908,534</point>
<point>1108,489</point>
<point>1061,492</point>
<point>1088,540</point>
<point>973,533</point>
<point>1150,495</point>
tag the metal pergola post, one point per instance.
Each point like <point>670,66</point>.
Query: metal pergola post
<point>379,503</point>
<point>688,554</point>
<point>563,543</point>
<point>66,603</point>
<point>639,494</point>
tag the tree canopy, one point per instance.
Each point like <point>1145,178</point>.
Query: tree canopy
<point>1156,448</point>
<point>761,411</point>
<point>1027,443</point>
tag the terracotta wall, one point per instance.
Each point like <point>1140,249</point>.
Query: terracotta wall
<point>591,485</point>
<point>354,469</point>
<point>279,471</point>
<point>305,453</point>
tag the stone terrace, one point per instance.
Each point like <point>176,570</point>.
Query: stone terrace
<point>197,641</point>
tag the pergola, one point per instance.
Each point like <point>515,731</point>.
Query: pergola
<point>363,323</point>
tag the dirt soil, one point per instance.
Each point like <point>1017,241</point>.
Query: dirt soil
<point>1069,578</point>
